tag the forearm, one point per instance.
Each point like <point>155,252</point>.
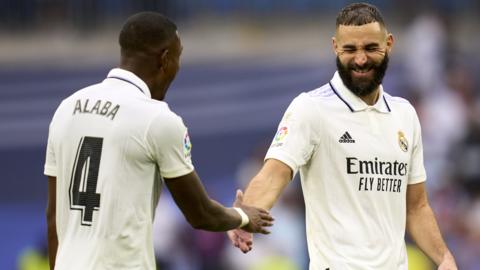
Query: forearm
<point>52,221</point>
<point>215,217</point>
<point>262,193</point>
<point>424,230</point>
<point>52,242</point>
<point>197,207</point>
<point>265,188</point>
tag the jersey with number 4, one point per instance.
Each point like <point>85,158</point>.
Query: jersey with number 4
<point>109,146</point>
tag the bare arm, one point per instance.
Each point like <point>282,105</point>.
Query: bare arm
<point>262,191</point>
<point>206,214</point>
<point>265,188</point>
<point>423,228</point>
<point>51,221</point>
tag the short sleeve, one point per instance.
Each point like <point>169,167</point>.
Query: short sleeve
<point>50,168</point>
<point>294,141</point>
<point>169,144</point>
<point>417,172</point>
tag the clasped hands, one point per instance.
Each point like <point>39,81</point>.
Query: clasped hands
<point>242,238</point>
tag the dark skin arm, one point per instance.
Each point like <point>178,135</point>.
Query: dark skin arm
<point>51,222</point>
<point>206,214</point>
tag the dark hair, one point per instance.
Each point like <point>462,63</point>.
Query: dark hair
<point>146,32</point>
<point>359,14</point>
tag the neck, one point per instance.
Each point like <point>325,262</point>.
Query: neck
<point>138,70</point>
<point>371,98</point>
<point>142,70</point>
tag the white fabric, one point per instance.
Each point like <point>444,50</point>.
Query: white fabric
<point>141,142</point>
<point>245,219</point>
<point>354,174</point>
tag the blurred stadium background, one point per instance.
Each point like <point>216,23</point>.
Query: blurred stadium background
<point>243,61</point>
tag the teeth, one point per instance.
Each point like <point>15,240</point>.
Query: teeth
<point>362,71</point>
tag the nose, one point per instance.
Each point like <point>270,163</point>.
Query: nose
<point>360,58</point>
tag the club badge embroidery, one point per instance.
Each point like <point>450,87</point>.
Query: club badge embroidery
<point>402,141</point>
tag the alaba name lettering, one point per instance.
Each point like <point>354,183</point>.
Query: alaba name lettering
<point>99,107</point>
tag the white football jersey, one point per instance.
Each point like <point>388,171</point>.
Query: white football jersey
<point>355,163</point>
<point>109,145</point>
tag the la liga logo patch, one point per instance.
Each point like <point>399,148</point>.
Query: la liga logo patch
<point>187,146</point>
<point>280,136</point>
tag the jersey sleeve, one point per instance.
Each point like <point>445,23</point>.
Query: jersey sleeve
<point>169,144</point>
<point>417,172</point>
<point>294,141</point>
<point>50,168</point>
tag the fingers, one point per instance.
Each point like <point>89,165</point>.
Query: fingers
<point>266,216</point>
<point>245,236</point>
<point>263,230</point>
<point>258,228</point>
<point>267,224</point>
<point>245,248</point>
<point>238,199</point>
<point>239,195</point>
<point>232,236</point>
<point>241,239</point>
<point>245,243</point>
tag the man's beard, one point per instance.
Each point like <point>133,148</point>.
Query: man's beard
<point>362,86</point>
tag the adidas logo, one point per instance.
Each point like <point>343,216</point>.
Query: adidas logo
<point>346,138</point>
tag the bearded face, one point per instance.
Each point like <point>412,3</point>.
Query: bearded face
<point>362,80</point>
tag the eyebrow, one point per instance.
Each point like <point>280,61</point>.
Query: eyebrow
<point>369,45</point>
<point>349,46</point>
<point>373,44</point>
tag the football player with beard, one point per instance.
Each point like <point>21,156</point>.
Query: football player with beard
<point>360,157</point>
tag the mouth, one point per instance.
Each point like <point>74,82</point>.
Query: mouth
<point>362,72</point>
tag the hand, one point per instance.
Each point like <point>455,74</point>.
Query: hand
<point>241,239</point>
<point>259,218</point>
<point>448,263</point>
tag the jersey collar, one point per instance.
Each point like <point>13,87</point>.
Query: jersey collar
<point>353,102</point>
<point>130,78</point>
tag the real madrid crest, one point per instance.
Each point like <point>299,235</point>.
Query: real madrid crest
<point>402,141</point>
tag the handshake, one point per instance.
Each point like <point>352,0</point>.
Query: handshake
<point>254,220</point>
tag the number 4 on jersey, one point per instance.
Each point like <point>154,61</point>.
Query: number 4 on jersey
<point>83,184</point>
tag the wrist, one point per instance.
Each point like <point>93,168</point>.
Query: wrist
<point>447,256</point>
<point>243,216</point>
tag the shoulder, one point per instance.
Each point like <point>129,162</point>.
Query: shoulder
<point>316,101</point>
<point>307,106</point>
<point>323,98</point>
<point>163,119</point>
<point>81,93</point>
<point>65,106</point>
<point>161,110</point>
<point>402,107</point>
<point>398,103</point>
<point>323,92</point>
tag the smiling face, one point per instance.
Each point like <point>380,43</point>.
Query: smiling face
<point>362,56</point>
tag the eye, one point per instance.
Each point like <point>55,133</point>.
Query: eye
<point>349,50</point>
<point>372,49</point>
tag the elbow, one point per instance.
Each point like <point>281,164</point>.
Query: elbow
<point>50,216</point>
<point>195,221</point>
<point>420,207</point>
<point>199,225</point>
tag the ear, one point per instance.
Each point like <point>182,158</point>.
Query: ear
<point>390,42</point>
<point>334,45</point>
<point>163,59</point>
